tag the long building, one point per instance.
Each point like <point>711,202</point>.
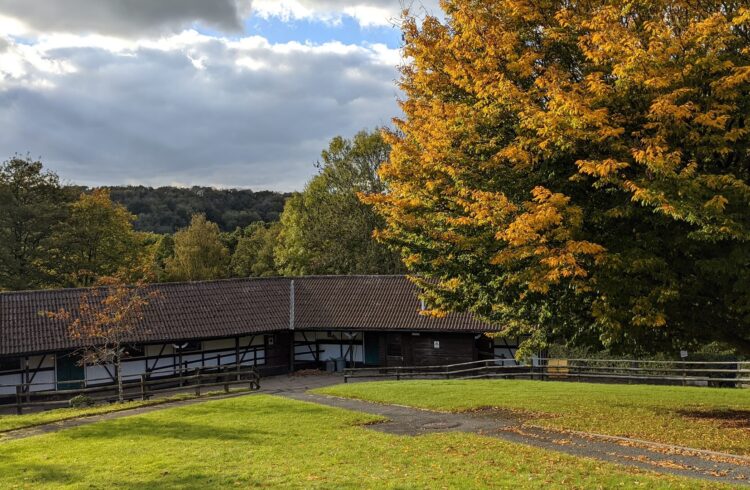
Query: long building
<point>275,324</point>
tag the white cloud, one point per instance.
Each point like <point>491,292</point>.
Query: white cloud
<point>189,107</point>
<point>135,91</point>
<point>123,18</point>
<point>367,12</point>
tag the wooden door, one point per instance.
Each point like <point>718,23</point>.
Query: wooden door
<point>394,349</point>
<point>398,349</point>
<point>372,348</point>
<point>70,373</point>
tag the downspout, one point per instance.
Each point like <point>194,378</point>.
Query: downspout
<point>291,325</point>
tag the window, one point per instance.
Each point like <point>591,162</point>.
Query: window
<point>134,351</point>
<point>188,346</point>
<point>10,364</point>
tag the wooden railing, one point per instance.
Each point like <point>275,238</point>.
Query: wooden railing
<point>143,388</point>
<point>484,368</point>
<point>705,373</point>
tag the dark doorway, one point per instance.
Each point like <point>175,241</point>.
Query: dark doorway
<point>372,349</point>
<point>398,350</point>
<point>70,373</point>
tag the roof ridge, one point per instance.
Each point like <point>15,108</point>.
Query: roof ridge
<point>211,281</point>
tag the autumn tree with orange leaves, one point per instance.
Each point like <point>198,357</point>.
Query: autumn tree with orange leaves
<point>107,319</point>
<point>578,170</point>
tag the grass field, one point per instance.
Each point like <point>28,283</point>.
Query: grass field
<point>12,422</point>
<point>705,418</point>
<point>269,441</point>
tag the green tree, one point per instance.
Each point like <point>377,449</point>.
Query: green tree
<point>253,255</point>
<point>199,253</point>
<point>97,239</point>
<point>162,252</point>
<point>326,229</point>
<point>32,202</point>
<point>579,170</point>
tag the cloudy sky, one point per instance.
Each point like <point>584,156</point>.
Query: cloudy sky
<point>231,93</point>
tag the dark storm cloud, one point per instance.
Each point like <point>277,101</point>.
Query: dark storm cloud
<point>202,111</point>
<point>126,17</point>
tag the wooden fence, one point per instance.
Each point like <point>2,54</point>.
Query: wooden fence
<point>696,373</point>
<point>193,381</point>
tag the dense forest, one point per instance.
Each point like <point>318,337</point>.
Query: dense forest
<point>66,236</point>
<point>167,209</point>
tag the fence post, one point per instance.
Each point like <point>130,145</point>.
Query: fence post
<point>200,380</point>
<point>143,387</point>
<point>738,376</point>
<point>19,394</point>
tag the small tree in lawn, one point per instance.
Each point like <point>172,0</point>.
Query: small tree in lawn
<point>107,318</point>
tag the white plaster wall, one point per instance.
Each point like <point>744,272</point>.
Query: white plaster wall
<point>505,356</point>
<point>132,370</point>
<point>8,383</point>
<point>97,375</point>
<point>227,344</point>
<point>44,381</point>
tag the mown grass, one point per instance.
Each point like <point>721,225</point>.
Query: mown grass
<point>705,418</point>
<point>267,441</point>
<point>13,422</point>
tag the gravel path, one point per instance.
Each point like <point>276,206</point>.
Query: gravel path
<point>661,458</point>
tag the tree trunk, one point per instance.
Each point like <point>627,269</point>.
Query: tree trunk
<point>118,374</point>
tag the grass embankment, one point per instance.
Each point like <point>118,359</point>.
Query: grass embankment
<point>705,418</point>
<point>13,422</point>
<point>274,442</point>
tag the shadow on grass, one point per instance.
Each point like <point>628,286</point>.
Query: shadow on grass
<point>164,429</point>
<point>35,473</point>
<point>726,418</point>
<point>31,475</point>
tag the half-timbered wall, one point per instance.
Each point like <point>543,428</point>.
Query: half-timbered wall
<point>41,369</point>
<point>321,346</point>
<point>171,358</point>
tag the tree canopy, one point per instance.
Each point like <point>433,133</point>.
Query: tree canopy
<point>326,229</point>
<point>96,240</point>
<point>253,255</point>
<point>199,254</point>
<point>578,170</point>
<point>32,202</point>
<point>168,209</point>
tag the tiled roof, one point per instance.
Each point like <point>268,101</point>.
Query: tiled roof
<point>213,309</point>
<point>369,303</point>
<point>181,311</point>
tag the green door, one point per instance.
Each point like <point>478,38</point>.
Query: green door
<point>70,373</point>
<point>372,349</point>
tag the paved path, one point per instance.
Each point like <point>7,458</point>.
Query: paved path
<point>408,421</point>
<point>661,458</point>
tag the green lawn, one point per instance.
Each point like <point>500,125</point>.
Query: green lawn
<point>12,422</point>
<point>269,441</point>
<point>706,418</point>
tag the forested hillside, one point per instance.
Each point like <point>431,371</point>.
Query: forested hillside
<point>53,235</point>
<point>167,209</point>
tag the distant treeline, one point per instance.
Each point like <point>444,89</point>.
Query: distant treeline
<point>53,235</point>
<point>168,209</point>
